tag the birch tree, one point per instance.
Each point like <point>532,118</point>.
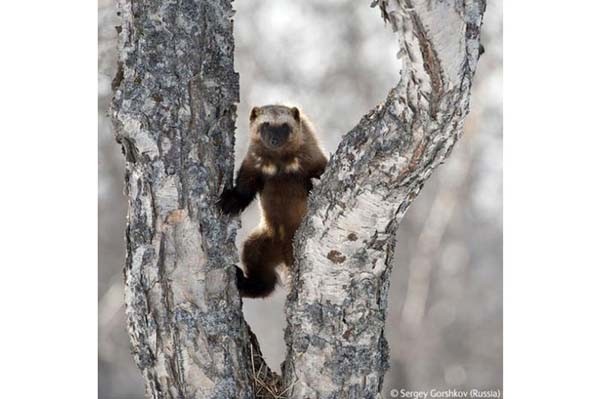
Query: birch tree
<point>174,112</point>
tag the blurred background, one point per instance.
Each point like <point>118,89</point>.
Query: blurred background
<point>336,60</point>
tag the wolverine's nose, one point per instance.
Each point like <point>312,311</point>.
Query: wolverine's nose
<point>274,135</point>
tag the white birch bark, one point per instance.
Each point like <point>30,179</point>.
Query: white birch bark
<point>336,308</point>
<point>174,111</point>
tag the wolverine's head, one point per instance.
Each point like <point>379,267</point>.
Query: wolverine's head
<point>276,127</point>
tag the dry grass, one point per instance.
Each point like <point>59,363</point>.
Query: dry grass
<point>267,384</point>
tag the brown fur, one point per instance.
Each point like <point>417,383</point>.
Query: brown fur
<point>282,177</point>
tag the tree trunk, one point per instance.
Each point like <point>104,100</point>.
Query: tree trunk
<point>174,111</point>
<point>337,303</point>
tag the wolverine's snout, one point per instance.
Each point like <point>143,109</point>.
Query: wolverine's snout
<point>274,136</point>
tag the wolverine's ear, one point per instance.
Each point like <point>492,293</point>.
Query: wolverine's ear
<point>296,113</point>
<point>253,114</point>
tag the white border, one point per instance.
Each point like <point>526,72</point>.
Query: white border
<point>48,177</point>
<point>551,200</point>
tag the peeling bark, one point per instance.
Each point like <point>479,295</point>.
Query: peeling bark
<point>174,110</point>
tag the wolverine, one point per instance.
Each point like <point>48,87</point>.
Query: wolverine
<point>283,156</point>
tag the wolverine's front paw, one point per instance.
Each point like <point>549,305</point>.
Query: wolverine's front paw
<point>239,275</point>
<point>229,202</point>
<point>241,281</point>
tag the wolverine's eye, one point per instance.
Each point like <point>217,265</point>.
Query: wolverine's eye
<point>285,128</point>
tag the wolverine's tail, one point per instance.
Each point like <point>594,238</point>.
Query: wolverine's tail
<point>256,285</point>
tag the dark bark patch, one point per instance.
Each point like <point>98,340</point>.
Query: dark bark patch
<point>128,148</point>
<point>157,97</point>
<point>352,236</point>
<point>116,82</point>
<point>336,256</point>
